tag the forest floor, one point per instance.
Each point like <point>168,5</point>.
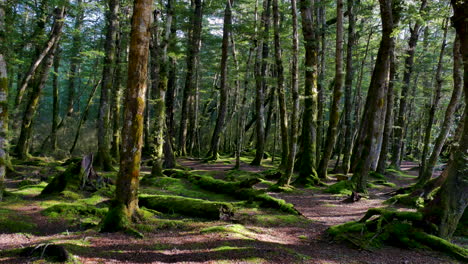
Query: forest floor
<point>253,235</point>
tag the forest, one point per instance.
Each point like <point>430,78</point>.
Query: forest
<point>234,131</point>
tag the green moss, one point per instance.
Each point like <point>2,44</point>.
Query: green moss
<point>342,188</point>
<point>69,180</point>
<point>376,175</point>
<point>186,206</point>
<point>26,183</point>
<point>384,183</point>
<point>12,222</point>
<point>236,229</point>
<point>116,218</point>
<point>71,195</point>
<point>407,200</point>
<point>30,189</point>
<point>65,210</point>
<point>273,220</point>
<point>399,173</point>
<point>443,245</point>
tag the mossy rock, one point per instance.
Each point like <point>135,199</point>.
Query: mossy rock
<point>186,206</point>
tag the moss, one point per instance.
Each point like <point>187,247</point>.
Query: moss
<point>342,188</point>
<point>31,189</point>
<point>186,206</point>
<point>407,200</point>
<point>376,175</point>
<point>399,173</point>
<point>26,183</point>
<point>65,210</point>
<point>71,195</point>
<point>236,229</point>
<point>69,180</point>
<point>443,245</point>
<point>384,183</point>
<point>272,220</point>
<point>116,218</point>
<point>277,188</point>
<point>12,222</point>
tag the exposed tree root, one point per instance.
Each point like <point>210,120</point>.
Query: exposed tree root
<point>406,229</point>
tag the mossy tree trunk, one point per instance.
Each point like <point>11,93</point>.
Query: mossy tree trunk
<point>125,206</point>
<point>400,120</point>
<point>451,201</point>
<point>193,50</point>
<point>38,83</point>
<point>348,134</point>
<point>424,177</point>
<point>307,173</point>
<point>3,103</point>
<point>375,102</point>
<point>337,92</point>
<point>224,88</point>
<point>260,82</point>
<point>103,157</point>
<point>286,177</point>
<point>160,96</point>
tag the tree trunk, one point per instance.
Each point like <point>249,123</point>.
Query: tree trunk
<point>307,173</point>
<point>55,103</point>
<point>260,83</point>
<point>348,135</point>
<point>286,178</point>
<point>424,177</point>
<point>224,88</point>
<point>3,104</point>
<point>408,70</point>
<point>321,24</point>
<point>189,89</point>
<point>103,157</point>
<point>38,82</point>
<point>337,92</point>
<point>382,163</point>
<point>368,131</point>
<point>125,206</point>
<point>160,92</point>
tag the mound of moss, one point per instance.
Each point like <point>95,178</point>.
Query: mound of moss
<point>65,210</point>
<point>187,206</point>
<point>404,229</point>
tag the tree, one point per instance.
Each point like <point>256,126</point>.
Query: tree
<point>3,104</point>
<point>224,88</point>
<point>193,50</point>
<point>37,84</point>
<point>337,92</point>
<point>260,83</point>
<point>307,172</point>
<point>365,148</point>
<point>124,207</point>
<point>104,157</point>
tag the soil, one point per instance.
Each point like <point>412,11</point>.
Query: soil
<point>304,242</point>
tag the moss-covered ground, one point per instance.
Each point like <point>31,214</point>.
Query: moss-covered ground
<point>179,219</point>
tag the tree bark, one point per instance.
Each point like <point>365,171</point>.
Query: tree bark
<point>125,206</point>
<point>103,157</point>
<point>55,103</point>
<point>337,92</point>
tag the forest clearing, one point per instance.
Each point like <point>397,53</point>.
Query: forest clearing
<point>235,131</point>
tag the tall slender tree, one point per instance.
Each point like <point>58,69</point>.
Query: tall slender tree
<point>124,208</point>
<point>3,103</point>
<point>224,88</point>
<point>337,92</point>
<point>104,145</point>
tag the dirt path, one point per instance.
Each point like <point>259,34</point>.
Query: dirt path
<point>303,242</point>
